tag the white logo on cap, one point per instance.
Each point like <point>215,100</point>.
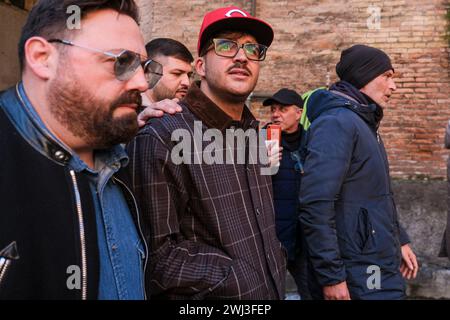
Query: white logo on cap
<point>229,13</point>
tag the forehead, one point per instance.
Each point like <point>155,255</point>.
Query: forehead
<point>107,30</point>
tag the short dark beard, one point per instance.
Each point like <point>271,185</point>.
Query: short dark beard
<point>89,118</point>
<point>161,92</point>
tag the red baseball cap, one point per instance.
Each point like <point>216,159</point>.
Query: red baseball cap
<point>234,18</point>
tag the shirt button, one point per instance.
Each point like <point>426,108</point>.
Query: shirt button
<point>114,247</point>
<point>258,212</point>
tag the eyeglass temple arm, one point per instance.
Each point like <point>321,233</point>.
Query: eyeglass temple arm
<point>70,43</point>
<point>109,54</point>
<point>146,63</point>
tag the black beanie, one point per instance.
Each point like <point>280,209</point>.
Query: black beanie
<point>361,64</point>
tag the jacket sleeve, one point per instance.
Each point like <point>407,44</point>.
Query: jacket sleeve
<point>404,238</point>
<point>178,266</point>
<point>329,151</point>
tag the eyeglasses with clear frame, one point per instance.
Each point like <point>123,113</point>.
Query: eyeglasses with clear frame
<point>126,63</point>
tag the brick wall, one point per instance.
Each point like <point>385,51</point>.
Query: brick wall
<point>309,36</point>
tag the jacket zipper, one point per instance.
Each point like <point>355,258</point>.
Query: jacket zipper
<point>82,237</point>
<point>4,266</point>
<point>140,231</point>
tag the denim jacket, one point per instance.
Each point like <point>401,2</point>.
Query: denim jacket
<point>120,246</point>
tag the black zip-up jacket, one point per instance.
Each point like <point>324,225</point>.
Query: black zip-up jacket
<point>48,235</point>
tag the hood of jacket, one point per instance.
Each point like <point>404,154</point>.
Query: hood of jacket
<point>344,95</point>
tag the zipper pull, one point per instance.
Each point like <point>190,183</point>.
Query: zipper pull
<point>10,252</point>
<point>7,255</point>
<point>378,137</point>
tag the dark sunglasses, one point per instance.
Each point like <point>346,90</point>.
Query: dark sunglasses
<point>229,48</point>
<point>126,63</point>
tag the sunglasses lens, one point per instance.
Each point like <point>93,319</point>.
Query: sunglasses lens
<point>126,65</point>
<point>153,72</point>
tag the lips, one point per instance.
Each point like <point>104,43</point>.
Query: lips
<point>239,72</point>
<point>128,105</point>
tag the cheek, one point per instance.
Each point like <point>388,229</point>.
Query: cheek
<point>164,82</point>
<point>255,70</point>
<point>381,87</point>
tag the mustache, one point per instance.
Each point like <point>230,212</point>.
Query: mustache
<point>183,88</point>
<point>240,66</point>
<point>129,97</point>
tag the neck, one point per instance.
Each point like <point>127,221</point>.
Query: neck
<point>36,95</point>
<point>87,156</point>
<point>232,108</point>
<point>291,130</point>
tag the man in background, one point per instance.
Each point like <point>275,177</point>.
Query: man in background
<point>286,107</point>
<point>347,209</point>
<point>177,69</point>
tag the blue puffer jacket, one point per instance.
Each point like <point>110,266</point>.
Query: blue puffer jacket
<point>286,184</point>
<point>347,208</point>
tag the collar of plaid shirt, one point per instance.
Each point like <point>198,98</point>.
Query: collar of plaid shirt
<point>212,115</point>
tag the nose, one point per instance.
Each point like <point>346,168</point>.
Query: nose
<point>392,85</point>
<point>138,81</point>
<point>240,56</point>
<point>275,114</point>
<point>185,80</point>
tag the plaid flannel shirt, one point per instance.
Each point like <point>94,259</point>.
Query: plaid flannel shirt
<point>211,226</point>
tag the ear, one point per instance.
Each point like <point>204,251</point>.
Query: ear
<point>199,65</point>
<point>299,113</point>
<point>40,57</point>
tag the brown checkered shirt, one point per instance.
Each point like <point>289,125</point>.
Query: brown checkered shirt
<point>211,226</point>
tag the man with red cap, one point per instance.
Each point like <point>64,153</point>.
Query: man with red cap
<point>212,231</point>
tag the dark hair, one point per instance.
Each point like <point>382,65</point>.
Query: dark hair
<point>169,48</point>
<point>48,18</point>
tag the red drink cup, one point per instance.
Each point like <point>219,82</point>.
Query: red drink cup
<point>274,132</point>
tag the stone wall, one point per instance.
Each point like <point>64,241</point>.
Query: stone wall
<point>422,209</point>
